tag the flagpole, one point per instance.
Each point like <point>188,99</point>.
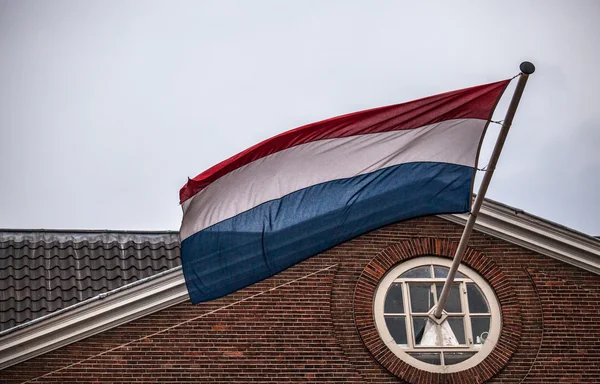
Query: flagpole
<point>527,69</point>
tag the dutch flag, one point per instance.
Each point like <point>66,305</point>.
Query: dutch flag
<point>308,189</point>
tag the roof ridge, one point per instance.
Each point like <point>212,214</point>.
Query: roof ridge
<point>107,237</point>
<point>59,230</point>
<point>84,243</point>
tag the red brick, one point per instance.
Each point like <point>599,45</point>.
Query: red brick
<point>307,331</point>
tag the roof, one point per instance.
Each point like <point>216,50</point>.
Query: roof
<point>162,290</point>
<point>44,271</point>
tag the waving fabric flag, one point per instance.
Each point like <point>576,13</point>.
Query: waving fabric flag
<point>306,190</point>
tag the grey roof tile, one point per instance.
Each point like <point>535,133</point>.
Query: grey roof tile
<point>43,271</point>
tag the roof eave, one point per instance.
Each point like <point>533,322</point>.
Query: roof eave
<point>536,234</point>
<point>99,315</point>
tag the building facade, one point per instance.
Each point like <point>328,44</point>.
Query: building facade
<point>524,310</point>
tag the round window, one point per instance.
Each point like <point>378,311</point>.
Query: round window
<point>465,334</point>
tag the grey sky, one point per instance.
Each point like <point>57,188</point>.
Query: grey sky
<point>106,107</point>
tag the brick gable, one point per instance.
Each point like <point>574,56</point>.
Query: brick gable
<point>305,331</point>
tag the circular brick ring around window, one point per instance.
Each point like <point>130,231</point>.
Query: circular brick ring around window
<point>390,257</point>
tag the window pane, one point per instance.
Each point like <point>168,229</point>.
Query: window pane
<point>419,324</point>
<point>393,299</point>
<point>453,300</point>
<point>477,302</point>
<point>428,357</point>
<point>397,328</point>
<point>451,358</point>
<point>480,326</point>
<point>421,297</point>
<point>443,272</point>
<point>457,325</point>
<point>418,272</point>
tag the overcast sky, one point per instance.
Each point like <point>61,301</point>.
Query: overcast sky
<point>106,107</point>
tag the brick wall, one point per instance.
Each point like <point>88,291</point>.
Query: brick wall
<point>305,331</point>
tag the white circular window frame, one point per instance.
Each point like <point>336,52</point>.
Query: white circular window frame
<point>495,321</point>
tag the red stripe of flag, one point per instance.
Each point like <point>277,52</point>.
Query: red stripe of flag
<point>474,102</point>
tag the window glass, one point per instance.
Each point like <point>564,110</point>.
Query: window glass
<point>393,300</point>
<point>419,324</point>
<point>397,328</point>
<point>442,272</point>
<point>421,297</point>
<point>477,303</point>
<point>453,301</point>
<point>451,358</point>
<point>480,326</point>
<point>428,357</point>
<point>457,324</point>
<point>419,272</point>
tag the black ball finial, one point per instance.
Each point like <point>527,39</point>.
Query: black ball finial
<point>527,68</point>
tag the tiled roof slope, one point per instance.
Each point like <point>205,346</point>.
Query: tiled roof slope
<point>44,271</point>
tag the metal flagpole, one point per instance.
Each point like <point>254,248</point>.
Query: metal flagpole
<point>527,69</point>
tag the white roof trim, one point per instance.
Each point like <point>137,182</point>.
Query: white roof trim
<point>100,314</point>
<point>536,234</point>
<point>161,291</point>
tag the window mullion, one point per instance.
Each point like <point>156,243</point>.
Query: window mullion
<point>409,326</point>
<point>428,280</point>
<point>467,322</point>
